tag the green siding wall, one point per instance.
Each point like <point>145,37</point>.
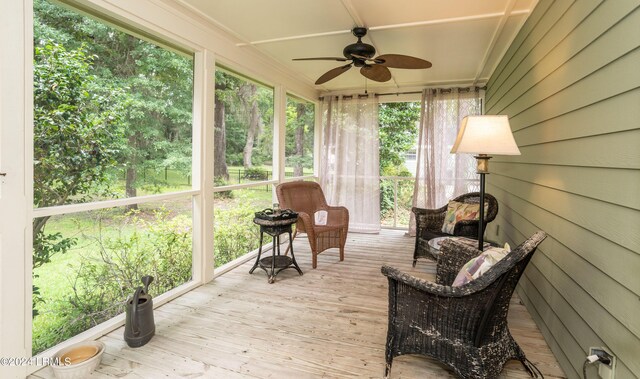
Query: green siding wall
<point>570,83</point>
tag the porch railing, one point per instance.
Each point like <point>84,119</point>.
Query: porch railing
<point>396,196</point>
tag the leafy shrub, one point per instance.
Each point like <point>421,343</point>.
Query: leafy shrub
<point>235,233</point>
<point>220,181</point>
<point>386,196</point>
<point>157,245</point>
<point>256,173</point>
<point>44,247</point>
<point>103,280</point>
<point>386,188</point>
<point>305,162</point>
<point>233,159</point>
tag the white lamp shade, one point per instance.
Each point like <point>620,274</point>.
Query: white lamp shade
<point>485,135</point>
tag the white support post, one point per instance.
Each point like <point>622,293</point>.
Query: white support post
<point>202,166</point>
<point>279,133</point>
<point>317,139</point>
<point>16,194</point>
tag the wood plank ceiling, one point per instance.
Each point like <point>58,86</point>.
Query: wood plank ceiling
<point>464,39</point>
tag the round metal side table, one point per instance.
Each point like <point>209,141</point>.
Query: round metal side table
<point>275,263</point>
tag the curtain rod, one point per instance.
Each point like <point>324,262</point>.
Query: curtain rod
<point>444,90</point>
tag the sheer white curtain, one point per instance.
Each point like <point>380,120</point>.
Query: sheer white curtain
<point>349,159</point>
<point>441,175</point>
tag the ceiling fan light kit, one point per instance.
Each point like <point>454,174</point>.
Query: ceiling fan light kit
<point>361,55</point>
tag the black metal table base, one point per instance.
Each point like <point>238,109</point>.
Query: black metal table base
<point>275,263</point>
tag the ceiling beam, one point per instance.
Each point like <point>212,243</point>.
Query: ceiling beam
<point>348,5</point>
<point>508,43</point>
<point>450,20</point>
<point>393,26</point>
<point>303,36</point>
<point>494,38</point>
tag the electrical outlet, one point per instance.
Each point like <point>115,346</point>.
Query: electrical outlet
<point>605,371</point>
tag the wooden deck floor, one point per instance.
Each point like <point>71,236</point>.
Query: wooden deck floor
<point>329,323</point>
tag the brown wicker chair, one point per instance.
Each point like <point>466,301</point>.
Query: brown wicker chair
<point>306,198</point>
<point>463,327</point>
<point>429,223</point>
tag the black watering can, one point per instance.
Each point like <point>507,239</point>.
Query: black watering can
<point>139,326</point>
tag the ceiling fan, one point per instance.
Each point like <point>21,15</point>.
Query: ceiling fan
<point>361,55</point>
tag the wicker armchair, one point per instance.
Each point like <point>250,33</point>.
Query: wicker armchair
<point>463,327</point>
<point>306,198</point>
<point>429,223</point>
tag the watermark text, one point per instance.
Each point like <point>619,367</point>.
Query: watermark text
<point>33,361</point>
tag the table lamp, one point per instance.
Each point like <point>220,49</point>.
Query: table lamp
<point>484,135</point>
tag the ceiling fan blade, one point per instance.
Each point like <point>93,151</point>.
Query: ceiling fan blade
<point>402,61</point>
<point>376,72</point>
<point>339,59</point>
<point>333,73</point>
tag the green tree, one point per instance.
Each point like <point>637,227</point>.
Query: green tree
<point>398,132</point>
<point>248,98</point>
<point>299,140</point>
<point>77,132</point>
<point>263,151</point>
<point>230,137</point>
<point>102,98</point>
<point>242,110</point>
<point>158,83</point>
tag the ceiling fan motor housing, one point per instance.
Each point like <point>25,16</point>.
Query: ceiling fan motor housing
<point>359,48</point>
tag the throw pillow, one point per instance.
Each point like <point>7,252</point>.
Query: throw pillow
<point>320,217</point>
<point>457,211</point>
<point>480,264</point>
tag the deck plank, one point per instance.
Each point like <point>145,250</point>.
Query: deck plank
<point>329,323</point>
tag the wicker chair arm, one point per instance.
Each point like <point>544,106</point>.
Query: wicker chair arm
<point>429,219</point>
<point>453,255</point>
<point>439,290</point>
<point>336,215</point>
<point>305,222</point>
<point>421,284</point>
<point>424,211</point>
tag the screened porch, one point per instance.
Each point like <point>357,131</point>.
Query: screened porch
<point>140,137</point>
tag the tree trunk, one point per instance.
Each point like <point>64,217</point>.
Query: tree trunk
<point>220,169</point>
<point>39,223</point>
<point>130,188</point>
<point>298,168</point>
<point>132,173</point>
<point>253,129</point>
